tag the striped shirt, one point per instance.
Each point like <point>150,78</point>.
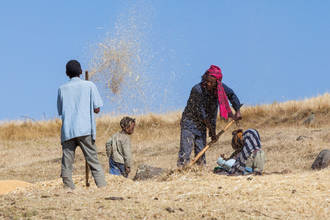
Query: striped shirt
<point>252,143</point>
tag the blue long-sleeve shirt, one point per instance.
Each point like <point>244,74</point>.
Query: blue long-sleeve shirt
<point>202,106</point>
<point>76,102</point>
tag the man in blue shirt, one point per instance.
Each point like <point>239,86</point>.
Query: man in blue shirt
<point>77,101</point>
<point>200,114</point>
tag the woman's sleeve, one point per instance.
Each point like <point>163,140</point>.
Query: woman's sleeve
<point>232,97</point>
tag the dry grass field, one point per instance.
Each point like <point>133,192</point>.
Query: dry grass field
<point>289,189</point>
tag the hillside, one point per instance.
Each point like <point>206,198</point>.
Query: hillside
<point>31,152</point>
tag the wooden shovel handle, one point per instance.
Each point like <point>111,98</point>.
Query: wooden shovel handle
<point>209,144</point>
<point>86,164</point>
<point>86,75</point>
<point>87,174</point>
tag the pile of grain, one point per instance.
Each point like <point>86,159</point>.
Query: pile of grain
<point>7,186</point>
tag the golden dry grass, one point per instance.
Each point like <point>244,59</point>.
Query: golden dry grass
<point>31,152</point>
<point>290,113</point>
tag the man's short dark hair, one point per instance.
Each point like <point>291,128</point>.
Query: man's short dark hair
<point>126,121</point>
<point>73,68</point>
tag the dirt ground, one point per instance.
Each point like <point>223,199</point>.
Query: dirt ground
<point>289,189</point>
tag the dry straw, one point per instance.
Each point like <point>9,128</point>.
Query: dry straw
<point>291,113</point>
<point>31,151</point>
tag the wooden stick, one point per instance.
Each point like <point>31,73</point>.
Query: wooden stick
<point>209,144</point>
<point>86,164</point>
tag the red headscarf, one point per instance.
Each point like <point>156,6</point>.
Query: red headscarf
<point>224,107</point>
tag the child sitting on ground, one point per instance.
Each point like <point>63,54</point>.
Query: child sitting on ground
<point>118,148</point>
<point>248,157</point>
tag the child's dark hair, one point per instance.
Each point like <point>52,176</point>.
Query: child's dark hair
<point>126,121</point>
<point>237,140</point>
<point>73,68</point>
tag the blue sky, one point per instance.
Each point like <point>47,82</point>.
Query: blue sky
<point>268,50</point>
